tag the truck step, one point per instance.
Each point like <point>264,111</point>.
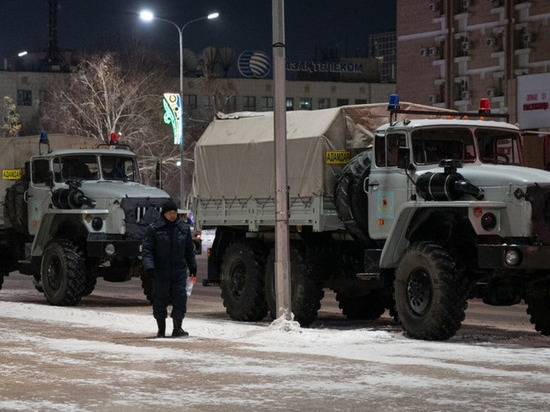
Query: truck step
<point>368,276</point>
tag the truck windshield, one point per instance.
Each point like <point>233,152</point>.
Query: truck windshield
<point>499,147</point>
<point>80,167</point>
<point>433,145</point>
<point>118,168</point>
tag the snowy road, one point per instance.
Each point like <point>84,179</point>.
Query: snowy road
<point>102,357</point>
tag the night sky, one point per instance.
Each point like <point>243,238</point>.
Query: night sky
<point>310,25</point>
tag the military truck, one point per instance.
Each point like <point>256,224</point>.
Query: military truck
<point>401,208</point>
<point>72,211</point>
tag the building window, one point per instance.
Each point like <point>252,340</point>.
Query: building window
<point>208,103</point>
<point>360,101</point>
<point>324,103</point>
<point>342,102</point>
<point>190,101</point>
<point>24,97</point>
<point>289,103</point>
<point>305,103</point>
<point>231,103</point>
<point>267,103</point>
<point>249,103</point>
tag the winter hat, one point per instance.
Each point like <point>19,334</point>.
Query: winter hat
<point>169,205</point>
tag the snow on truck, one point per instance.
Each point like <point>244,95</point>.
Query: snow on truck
<point>409,210</point>
<point>71,212</point>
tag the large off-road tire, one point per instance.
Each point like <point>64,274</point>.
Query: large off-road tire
<point>89,285</point>
<point>242,281</point>
<point>306,291</point>
<point>367,306</point>
<point>430,292</point>
<point>538,307</point>
<point>63,273</point>
<point>351,199</point>
<point>16,206</point>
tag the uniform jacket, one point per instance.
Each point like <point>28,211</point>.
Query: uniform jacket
<point>169,258</point>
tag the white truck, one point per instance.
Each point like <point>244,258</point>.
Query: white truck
<point>72,211</point>
<point>409,210</point>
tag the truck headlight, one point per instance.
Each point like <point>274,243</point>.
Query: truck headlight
<point>110,249</point>
<point>512,257</point>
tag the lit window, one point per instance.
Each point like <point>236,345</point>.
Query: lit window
<point>305,103</point>
<point>289,103</point>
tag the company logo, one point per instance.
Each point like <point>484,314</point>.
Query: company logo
<point>254,64</point>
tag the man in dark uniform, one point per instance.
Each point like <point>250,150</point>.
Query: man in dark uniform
<point>167,253</point>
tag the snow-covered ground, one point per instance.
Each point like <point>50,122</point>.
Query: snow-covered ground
<point>99,359</point>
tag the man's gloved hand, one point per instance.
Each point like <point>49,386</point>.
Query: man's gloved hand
<point>151,272</point>
<point>193,271</point>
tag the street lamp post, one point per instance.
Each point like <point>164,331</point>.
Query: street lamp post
<point>149,16</point>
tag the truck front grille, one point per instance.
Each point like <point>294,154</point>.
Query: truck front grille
<point>139,213</point>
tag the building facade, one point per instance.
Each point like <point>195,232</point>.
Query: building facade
<point>28,89</point>
<point>451,53</point>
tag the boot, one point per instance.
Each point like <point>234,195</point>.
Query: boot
<point>178,331</point>
<point>162,328</point>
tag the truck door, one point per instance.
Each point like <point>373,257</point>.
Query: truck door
<point>388,184</point>
<point>38,195</point>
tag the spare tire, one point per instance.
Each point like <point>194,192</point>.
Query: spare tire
<point>16,207</point>
<point>351,199</point>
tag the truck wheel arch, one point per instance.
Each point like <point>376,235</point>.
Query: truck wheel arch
<point>418,225</point>
<point>53,226</point>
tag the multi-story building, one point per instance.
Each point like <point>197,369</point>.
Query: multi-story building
<point>451,53</point>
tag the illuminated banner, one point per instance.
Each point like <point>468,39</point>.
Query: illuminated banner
<point>173,114</point>
<point>337,157</point>
<point>334,67</point>
<point>12,174</point>
<point>533,101</point>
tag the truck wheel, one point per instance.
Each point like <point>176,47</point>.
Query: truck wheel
<point>306,292</point>
<point>63,273</point>
<point>369,306</point>
<point>430,292</point>
<point>538,307</point>
<point>89,285</point>
<point>37,282</point>
<point>242,281</point>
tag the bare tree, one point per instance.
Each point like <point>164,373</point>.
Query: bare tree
<point>105,96</point>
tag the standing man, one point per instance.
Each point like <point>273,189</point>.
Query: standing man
<point>167,253</point>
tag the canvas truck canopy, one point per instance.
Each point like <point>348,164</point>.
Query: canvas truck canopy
<point>234,158</point>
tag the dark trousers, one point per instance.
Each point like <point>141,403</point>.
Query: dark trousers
<point>166,292</point>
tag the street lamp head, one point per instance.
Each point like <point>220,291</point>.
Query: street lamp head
<point>213,16</point>
<point>146,15</point>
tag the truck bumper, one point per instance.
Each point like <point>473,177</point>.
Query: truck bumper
<point>513,257</point>
<point>112,246</point>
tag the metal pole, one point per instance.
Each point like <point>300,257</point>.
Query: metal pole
<point>182,171</point>
<point>282,255</point>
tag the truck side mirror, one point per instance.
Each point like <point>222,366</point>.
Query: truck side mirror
<point>404,157</point>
